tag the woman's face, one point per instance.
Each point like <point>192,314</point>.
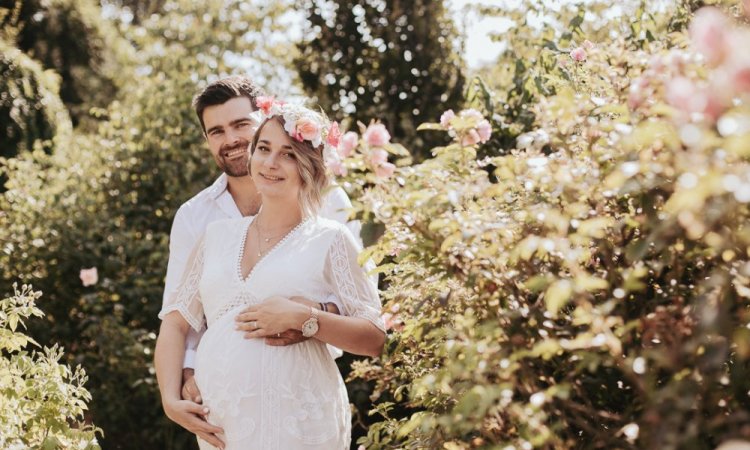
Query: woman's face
<point>273,164</point>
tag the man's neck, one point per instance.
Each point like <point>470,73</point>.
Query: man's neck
<point>246,197</point>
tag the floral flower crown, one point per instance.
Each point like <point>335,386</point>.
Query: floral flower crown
<point>302,124</point>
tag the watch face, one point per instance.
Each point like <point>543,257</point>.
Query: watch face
<point>310,327</point>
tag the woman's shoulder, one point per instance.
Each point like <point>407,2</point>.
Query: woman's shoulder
<point>333,230</point>
<point>328,226</point>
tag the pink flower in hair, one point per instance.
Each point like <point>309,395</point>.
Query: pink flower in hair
<point>265,103</point>
<point>334,135</point>
<point>307,129</point>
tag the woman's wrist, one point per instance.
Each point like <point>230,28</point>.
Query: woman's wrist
<point>300,315</point>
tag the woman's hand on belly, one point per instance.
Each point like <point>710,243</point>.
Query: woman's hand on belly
<point>275,315</point>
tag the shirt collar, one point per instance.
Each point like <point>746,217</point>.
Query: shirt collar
<point>219,186</point>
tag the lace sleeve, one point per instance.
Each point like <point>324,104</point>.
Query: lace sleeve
<point>349,282</point>
<point>186,298</point>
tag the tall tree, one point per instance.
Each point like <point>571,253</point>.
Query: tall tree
<point>392,60</point>
<point>69,37</point>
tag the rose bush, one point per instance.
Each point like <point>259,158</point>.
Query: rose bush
<point>589,289</point>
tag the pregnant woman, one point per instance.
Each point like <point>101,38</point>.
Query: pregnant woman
<point>241,281</point>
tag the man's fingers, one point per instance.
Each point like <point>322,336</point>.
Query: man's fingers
<point>193,391</point>
<point>258,333</point>
<point>277,342</point>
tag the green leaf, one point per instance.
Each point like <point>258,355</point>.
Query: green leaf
<point>430,126</point>
<point>558,295</point>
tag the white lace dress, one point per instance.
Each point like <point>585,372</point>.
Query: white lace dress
<point>265,397</point>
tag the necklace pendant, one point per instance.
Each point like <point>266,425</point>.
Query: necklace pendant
<point>267,239</point>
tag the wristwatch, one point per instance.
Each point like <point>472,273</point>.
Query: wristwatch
<point>310,326</point>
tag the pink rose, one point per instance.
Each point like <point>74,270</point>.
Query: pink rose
<point>683,94</point>
<point>738,66</point>
<point>385,170</point>
<point>264,104</point>
<point>387,320</point>
<point>484,129</point>
<point>471,114</point>
<point>578,54</point>
<point>338,168</point>
<point>89,277</point>
<point>445,119</point>
<point>376,135</point>
<point>686,96</point>
<point>588,45</point>
<point>378,156</point>
<point>348,143</point>
<point>709,34</point>
<point>636,93</point>
<point>334,135</point>
<point>307,129</point>
<point>471,138</point>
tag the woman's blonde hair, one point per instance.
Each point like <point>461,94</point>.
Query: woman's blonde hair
<point>310,166</point>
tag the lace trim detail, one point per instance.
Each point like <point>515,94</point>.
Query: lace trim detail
<point>188,292</point>
<point>243,299</point>
<point>355,305</point>
<point>195,324</point>
<point>292,232</point>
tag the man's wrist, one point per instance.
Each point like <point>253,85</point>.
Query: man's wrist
<point>187,373</point>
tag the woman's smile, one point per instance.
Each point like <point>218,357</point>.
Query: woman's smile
<point>271,178</point>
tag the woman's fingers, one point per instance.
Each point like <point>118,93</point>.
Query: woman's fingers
<point>246,316</point>
<point>211,439</point>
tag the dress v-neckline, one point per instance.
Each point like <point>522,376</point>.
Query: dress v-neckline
<point>246,228</point>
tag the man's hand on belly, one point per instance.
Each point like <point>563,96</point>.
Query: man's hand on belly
<point>288,337</point>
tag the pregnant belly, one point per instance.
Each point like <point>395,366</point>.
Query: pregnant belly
<point>255,389</point>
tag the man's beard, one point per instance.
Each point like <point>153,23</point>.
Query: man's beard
<point>235,167</point>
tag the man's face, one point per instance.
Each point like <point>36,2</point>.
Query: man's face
<point>229,131</point>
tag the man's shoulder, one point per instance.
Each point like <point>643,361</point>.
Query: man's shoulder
<point>336,196</point>
<point>199,202</point>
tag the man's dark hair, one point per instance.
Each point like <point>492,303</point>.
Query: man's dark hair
<point>221,91</point>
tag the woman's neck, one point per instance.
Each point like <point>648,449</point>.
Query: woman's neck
<point>277,213</point>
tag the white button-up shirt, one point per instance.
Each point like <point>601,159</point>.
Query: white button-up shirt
<point>216,203</point>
